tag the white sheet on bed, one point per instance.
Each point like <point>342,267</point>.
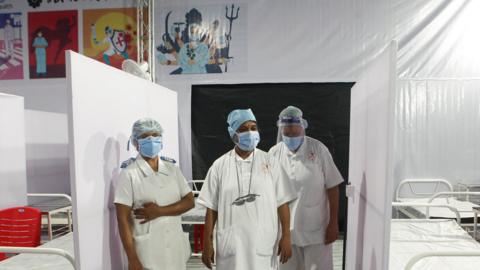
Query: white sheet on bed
<point>195,215</point>
<point>464,208</point>
<point>40,261</point>
<point>410,237</point>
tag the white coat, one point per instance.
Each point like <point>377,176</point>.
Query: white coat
<point>312,171</point>
<point>247,234</point>
<point>161,243</point>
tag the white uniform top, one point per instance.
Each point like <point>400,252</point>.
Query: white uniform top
<point>312,171</point>
<point>246,234</point>
<point>160,243</point>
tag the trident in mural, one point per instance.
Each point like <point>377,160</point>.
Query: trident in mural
<point>228,36</point>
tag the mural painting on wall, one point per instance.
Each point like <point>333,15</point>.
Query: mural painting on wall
<point>11,46</point>
<point>199,40</point>
<point>110,35</point>
<point>50,34</point>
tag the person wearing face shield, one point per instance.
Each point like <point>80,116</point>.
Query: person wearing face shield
<point>246,198</point>
<point>150,196</point>
<point>314,215</point>
<point>193,56</point>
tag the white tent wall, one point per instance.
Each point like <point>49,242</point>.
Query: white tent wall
<point>100,124</point>
<point>438,130</point>
<point>13,178</point>
<point>370,165</point>
<point>47,152</point>
<point>46,104</point>
<point>288,41</point>
<point>46,133</point>
<point>322,41</point>
<point>300,41</point>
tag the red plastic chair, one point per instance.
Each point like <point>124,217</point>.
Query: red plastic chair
<point>20,227</point>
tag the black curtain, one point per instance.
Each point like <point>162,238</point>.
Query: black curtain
<point>326,107</point>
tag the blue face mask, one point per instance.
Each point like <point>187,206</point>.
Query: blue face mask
<point>150,146</point>
<point>292,143</point>
<point>247,141</point>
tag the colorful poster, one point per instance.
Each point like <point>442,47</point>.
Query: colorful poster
<point>110,35</point>
<point>11,48</point>
<point>50,35</point>
<point>201,39</point>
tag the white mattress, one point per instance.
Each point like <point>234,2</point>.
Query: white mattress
<point>40,261</point>
<point>410,237</point>
<point>197,214</point>
<point>464,208</point>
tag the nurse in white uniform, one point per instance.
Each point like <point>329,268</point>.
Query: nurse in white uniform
<point>151,195</point>
<point>311,169</point>
<point>246,197</point>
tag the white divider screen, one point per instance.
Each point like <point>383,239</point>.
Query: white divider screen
<point>370,174</point>
<point>104,103</point>
<point>13,175</point>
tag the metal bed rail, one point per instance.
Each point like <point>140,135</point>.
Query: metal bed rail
<point>51,195</point>
<point>63,230</point>
<point>428,205</point>
<point>196,189</point>
<point>38,250</point>
<point>409,182</point>
<point>468,188</point>
<point>447,193</point>
<point>424,255</point>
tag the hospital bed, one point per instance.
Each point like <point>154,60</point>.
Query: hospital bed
<point>440,192</point>
<point>45,257</point>
<point>196,218</point>
<point>425,244</point>
<point>54,205</point>
<point>197,214</point>
<point>469,188</point>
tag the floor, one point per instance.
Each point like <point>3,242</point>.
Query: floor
<point>196,263</point>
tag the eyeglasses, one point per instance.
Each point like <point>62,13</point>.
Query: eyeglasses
<point>247,198</point>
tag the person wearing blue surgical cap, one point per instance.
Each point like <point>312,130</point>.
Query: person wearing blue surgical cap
<point>245,197</point>
<point>151,195</point>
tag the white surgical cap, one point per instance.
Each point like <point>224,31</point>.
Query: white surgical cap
<point>142,126</point>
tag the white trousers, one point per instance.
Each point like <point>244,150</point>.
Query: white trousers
<point>314,257</point>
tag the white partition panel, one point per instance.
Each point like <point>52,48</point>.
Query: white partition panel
<point>13,176</point>
<point>104,103</point>
<point>370,173</point>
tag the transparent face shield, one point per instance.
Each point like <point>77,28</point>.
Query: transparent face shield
<point>291,127</point>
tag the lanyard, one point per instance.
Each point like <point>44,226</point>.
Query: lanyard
<point>249,197</point>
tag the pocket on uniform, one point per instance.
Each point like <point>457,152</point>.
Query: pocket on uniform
<point>313,218</point>
<point>265,241</point>
<point>144,248</point>
<point>226,241</point>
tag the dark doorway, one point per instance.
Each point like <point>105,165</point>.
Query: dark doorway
<point>326,106</point>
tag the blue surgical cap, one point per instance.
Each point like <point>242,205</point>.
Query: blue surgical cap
<point>142,126</point>
<point>237,117</point>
